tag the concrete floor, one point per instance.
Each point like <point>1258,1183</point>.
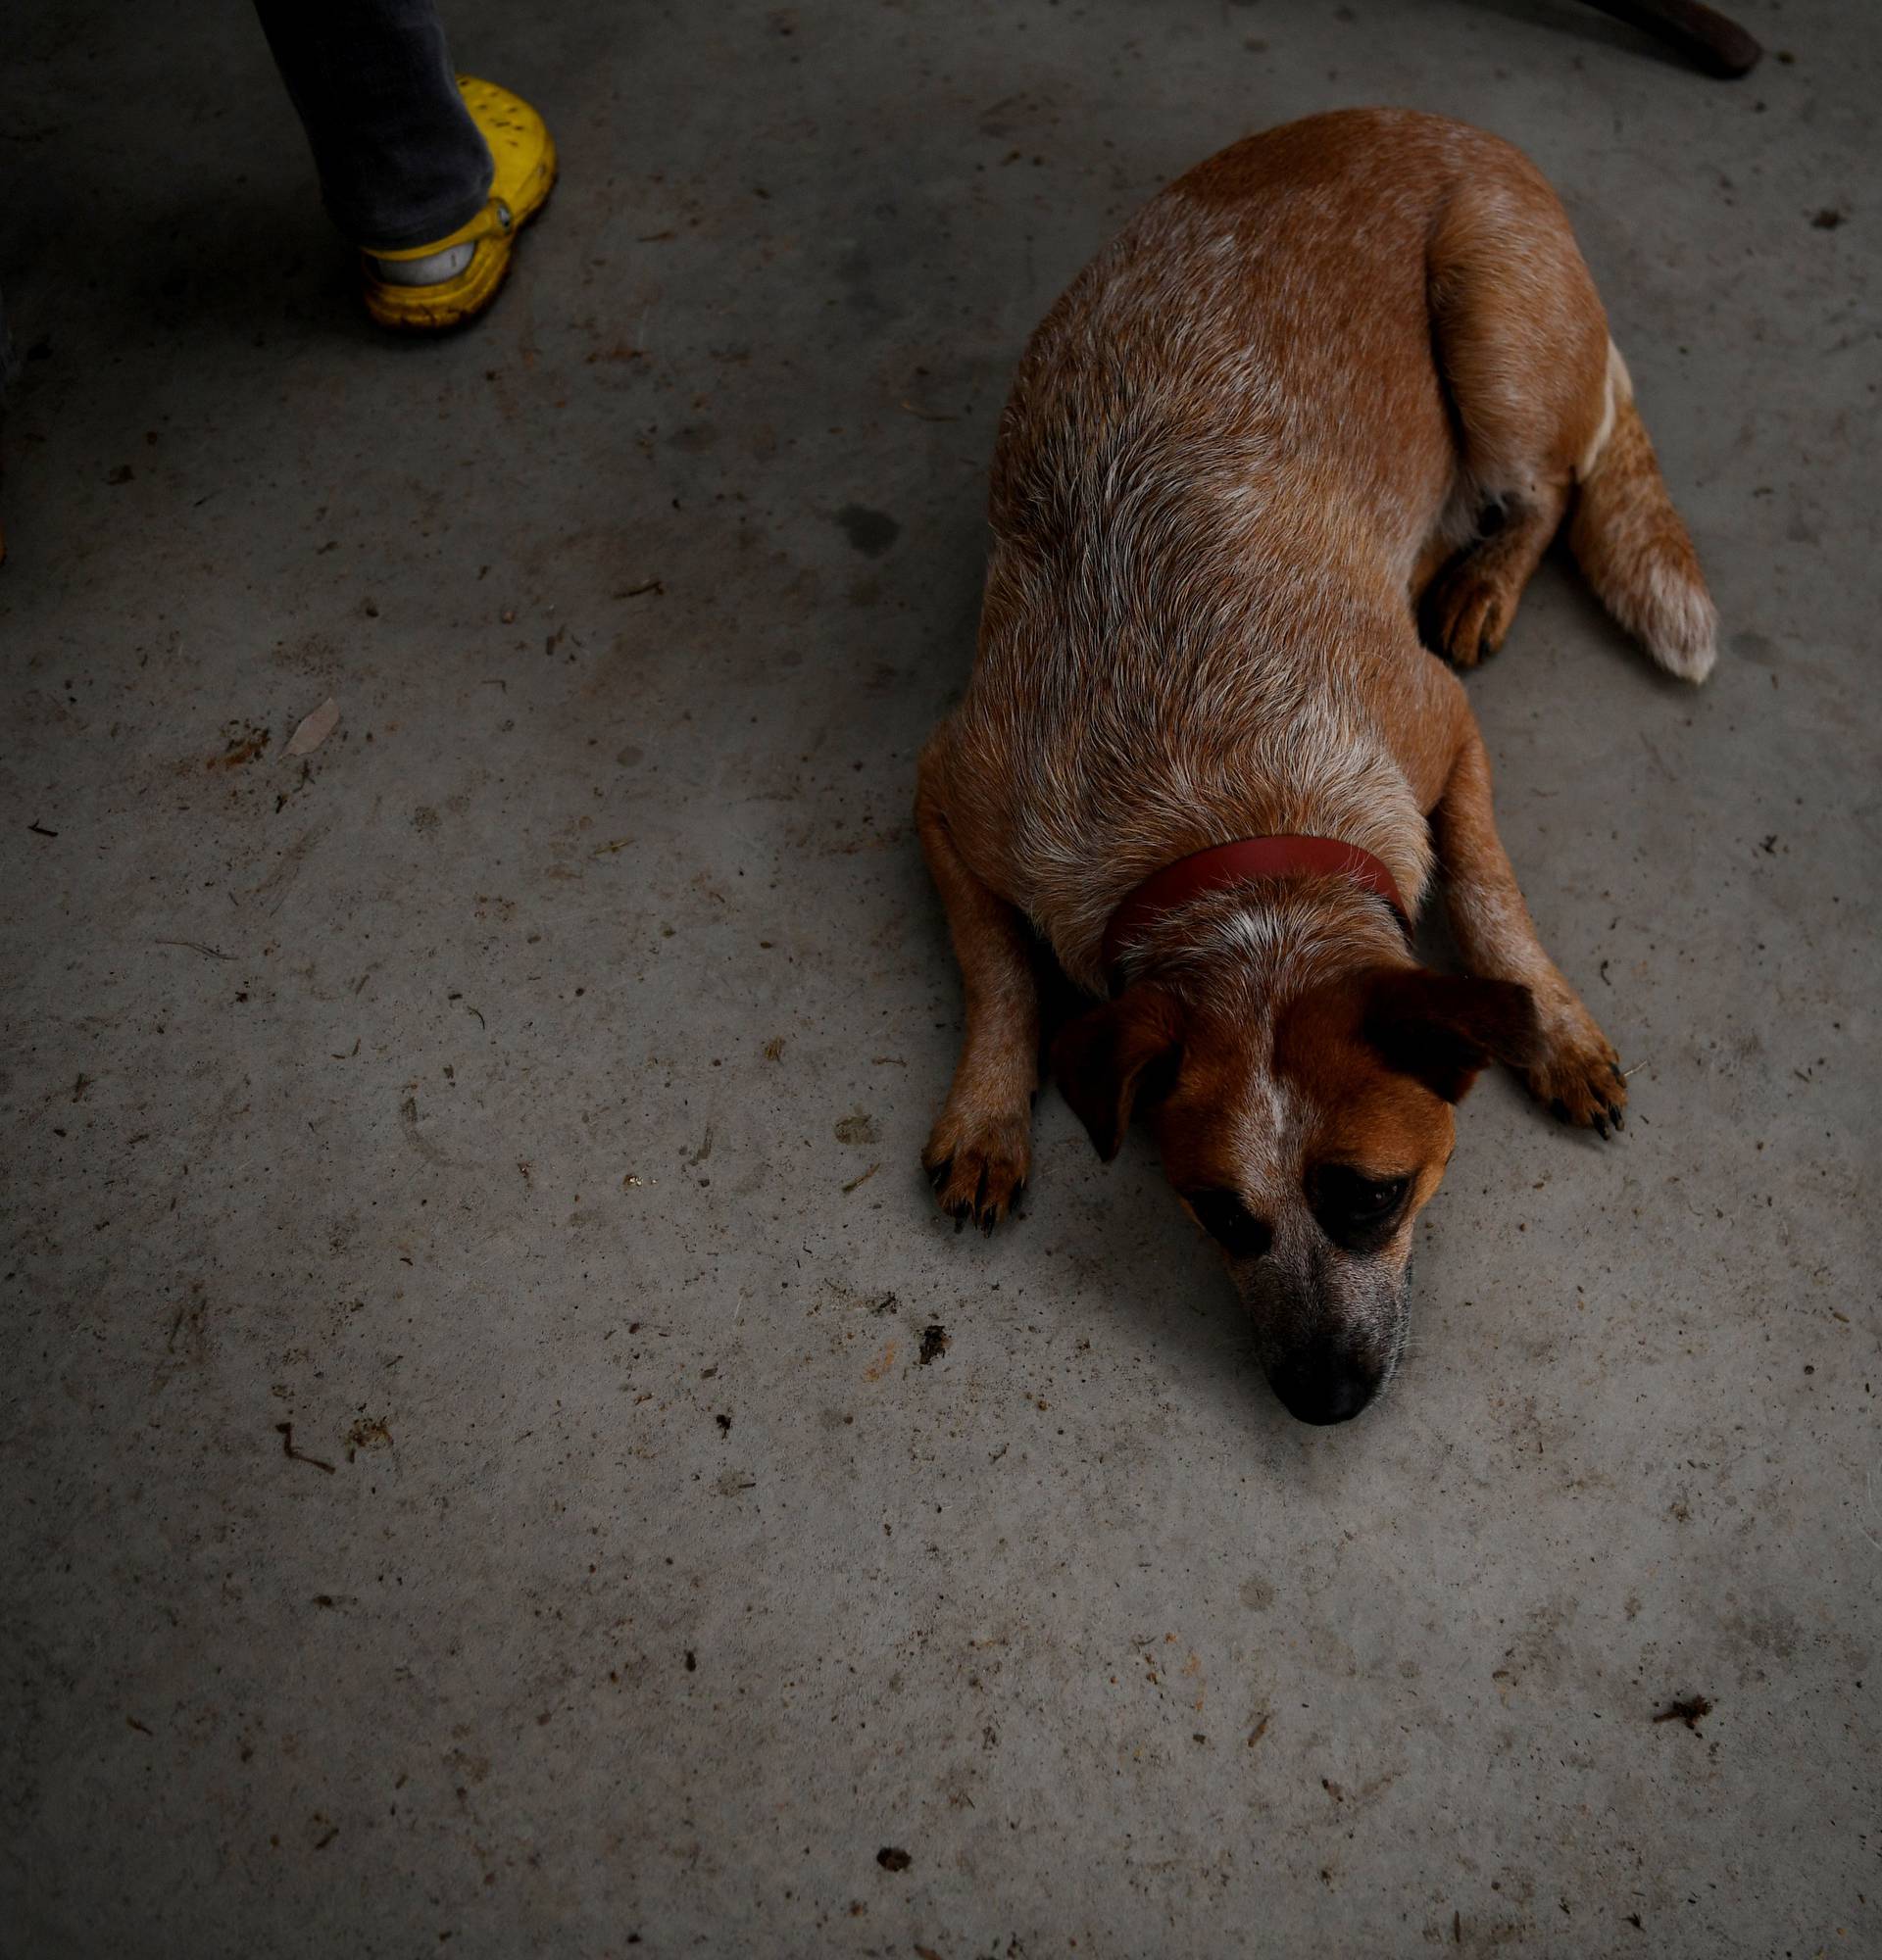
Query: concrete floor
<point>520,1093</point>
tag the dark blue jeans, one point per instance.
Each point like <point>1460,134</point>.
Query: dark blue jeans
<point>401,163</point>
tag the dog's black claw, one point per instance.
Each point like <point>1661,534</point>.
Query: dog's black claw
<point>1559,1109</point>
<point>1613,1116</point>
<point>1601,1127</point>
<point>938,1173</point>
<point>1618,1073</point>
<point>987,1222</point>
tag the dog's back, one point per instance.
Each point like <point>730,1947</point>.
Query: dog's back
<point>1252,359</point>
<point>1227,460</point>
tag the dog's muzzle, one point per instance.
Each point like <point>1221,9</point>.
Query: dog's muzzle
<point>1329,1328</point>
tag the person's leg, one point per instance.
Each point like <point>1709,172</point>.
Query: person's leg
<point>400,159</point>
<point>430,173</point>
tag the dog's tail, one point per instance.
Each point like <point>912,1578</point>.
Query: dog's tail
<point>1631,545</point>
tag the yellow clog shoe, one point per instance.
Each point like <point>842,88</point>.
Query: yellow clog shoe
<point>432,287</point>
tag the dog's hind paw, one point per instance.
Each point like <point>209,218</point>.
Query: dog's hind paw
<point>1578,1079</point>
<point>979,1168</point>
<point>1467,609</point>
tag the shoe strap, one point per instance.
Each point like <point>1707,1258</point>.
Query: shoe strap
<point>495,221</point>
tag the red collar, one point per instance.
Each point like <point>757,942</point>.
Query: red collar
<point>1224,864</point>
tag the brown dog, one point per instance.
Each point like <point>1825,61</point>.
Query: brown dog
<point>1342,374</point>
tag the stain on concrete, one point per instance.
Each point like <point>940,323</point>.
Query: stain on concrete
<point>872,532</point>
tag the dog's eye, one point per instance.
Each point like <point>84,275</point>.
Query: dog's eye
<point>1361,1197</point>
<point>1355,1210</point>
<point>1231,1224</point>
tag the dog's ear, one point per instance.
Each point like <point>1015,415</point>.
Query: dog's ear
<point>1443,1027</point>
<point>1116,1057</point>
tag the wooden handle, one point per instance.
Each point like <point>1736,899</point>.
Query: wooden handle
<point>1706,38</point>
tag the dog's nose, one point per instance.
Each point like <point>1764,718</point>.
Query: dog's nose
<point>1322,1385</point>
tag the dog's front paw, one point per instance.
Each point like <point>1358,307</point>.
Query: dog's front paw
<point>1579,1077</point>
<point>978,1165</point>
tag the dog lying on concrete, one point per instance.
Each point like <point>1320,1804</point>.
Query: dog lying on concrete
<point>1343,376</point>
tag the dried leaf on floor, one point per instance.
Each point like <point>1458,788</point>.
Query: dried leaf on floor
<point>315,728</point>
